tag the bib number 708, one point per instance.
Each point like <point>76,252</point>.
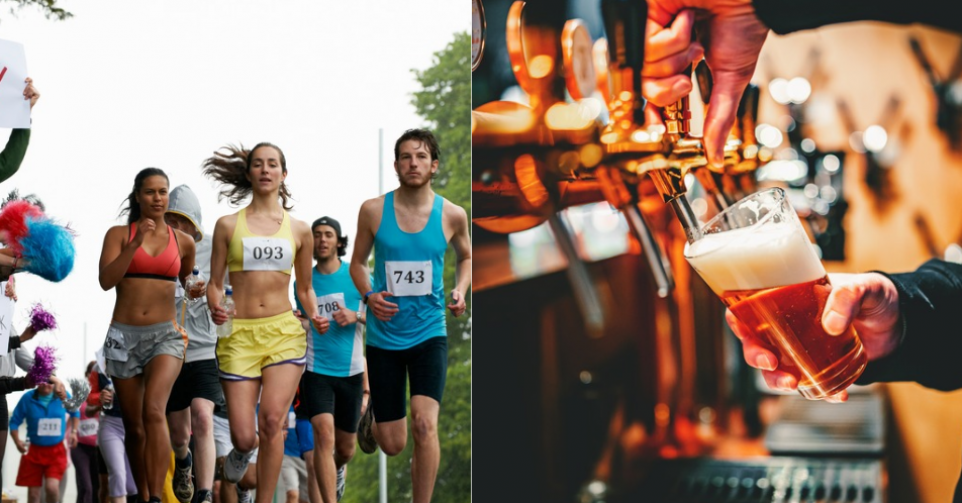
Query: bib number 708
<point>328,304</point>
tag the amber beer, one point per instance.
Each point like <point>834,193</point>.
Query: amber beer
<point>757,258</point>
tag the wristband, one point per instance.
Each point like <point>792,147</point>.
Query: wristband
<point>366,295</point>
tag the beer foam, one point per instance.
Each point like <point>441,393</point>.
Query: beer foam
<point>774,254</point>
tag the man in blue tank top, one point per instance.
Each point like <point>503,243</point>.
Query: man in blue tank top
<point>333,387</point>
<point>409,230</point>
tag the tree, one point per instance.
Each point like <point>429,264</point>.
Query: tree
<point>445,104</point>
<point>48,7</point>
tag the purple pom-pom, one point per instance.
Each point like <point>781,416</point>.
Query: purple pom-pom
<point>44,364</point>
<point>41,319</point>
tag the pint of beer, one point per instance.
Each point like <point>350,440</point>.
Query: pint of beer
<point>756,256</point>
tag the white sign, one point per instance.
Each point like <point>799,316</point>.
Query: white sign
<point>6,317</point>
<point>408,278</point>
<point>48,427</point>
<point>14,110</point>
<point>267,254</point>
<point>88,427</point>
<point>327,304</point>
<point>101,360</point>
<point>114,347</point>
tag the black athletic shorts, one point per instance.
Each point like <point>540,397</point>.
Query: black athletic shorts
<point>340,396</point>
<point>388,371</point>
<point>196,380</point>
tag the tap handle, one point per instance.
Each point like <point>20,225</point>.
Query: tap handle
<point>705,82</point>
<point>923,60</point>
<point>625,197</point>
<point>585,293</point>
<point>677,115</point>
<point>747,115</point>
<point>625,30</point>
<point>657,262</point>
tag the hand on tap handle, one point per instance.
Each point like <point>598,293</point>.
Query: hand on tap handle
<point>735,40</point>
<point>736,31</point>
<point>668,52</point>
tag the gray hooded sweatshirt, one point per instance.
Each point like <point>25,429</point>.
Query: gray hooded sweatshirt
<point>195,318</point>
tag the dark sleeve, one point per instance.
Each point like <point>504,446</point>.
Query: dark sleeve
<point>11,384</point>
<point>787,16</point>
<point>14,343</point>
<point>13,153</point>
<point>930,301</point>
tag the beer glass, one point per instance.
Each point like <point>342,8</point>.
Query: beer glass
<point>757,258</point>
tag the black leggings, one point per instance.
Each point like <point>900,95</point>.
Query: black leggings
<point>84,459</point>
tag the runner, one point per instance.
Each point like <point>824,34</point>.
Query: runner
<point>144,348</point>
<point>197,390</point>
<point>230,492</point>
<point>333,385</point>
<point>409,230</point>
<point>44,464</point>
<point>265,353</point>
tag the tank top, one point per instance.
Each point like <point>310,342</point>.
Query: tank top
<point>250,252</point>
<point>339,352</point>
<point>165,266</point>
<point>87,432</point>
<point>411,267</point>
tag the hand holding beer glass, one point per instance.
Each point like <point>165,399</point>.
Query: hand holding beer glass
<point>757,258</point>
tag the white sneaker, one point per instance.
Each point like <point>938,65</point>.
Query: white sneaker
<point>235,465</point>
<point>341,481</point>
<point>243,495</point>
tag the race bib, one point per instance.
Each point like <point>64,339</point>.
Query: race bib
<point>114,347</point>
<point>326,305</point>
<point>48,427</point>
<point>291,420</point>
<point>88,427</point>
<point>267,254</point>
<point>408,278</point>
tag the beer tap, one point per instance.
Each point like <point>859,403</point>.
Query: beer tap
<point>532,154</point>
<point>948,95</point>
<point>628,143</point>
<point>666,153</point>
<point>717,182</point>
<point>624,196</point>
<point>620,186</point>
<point>748,151</point>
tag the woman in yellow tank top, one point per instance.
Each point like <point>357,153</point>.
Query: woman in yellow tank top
<point>264,355</point>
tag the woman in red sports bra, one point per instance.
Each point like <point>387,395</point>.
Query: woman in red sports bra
<point>144,348</point>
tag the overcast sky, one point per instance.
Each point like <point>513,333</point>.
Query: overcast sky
<point>130,84</point>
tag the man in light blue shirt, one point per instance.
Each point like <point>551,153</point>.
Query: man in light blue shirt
<point>334,385</point>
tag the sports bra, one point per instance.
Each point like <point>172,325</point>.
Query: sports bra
<point>251,252</point>
<point>165,266</point>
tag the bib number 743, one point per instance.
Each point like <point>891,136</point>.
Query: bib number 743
<point>409,278</point>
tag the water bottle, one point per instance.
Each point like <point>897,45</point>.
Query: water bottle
<point>195,278</point>
<point>227,303</point>
<point>110,388</point>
